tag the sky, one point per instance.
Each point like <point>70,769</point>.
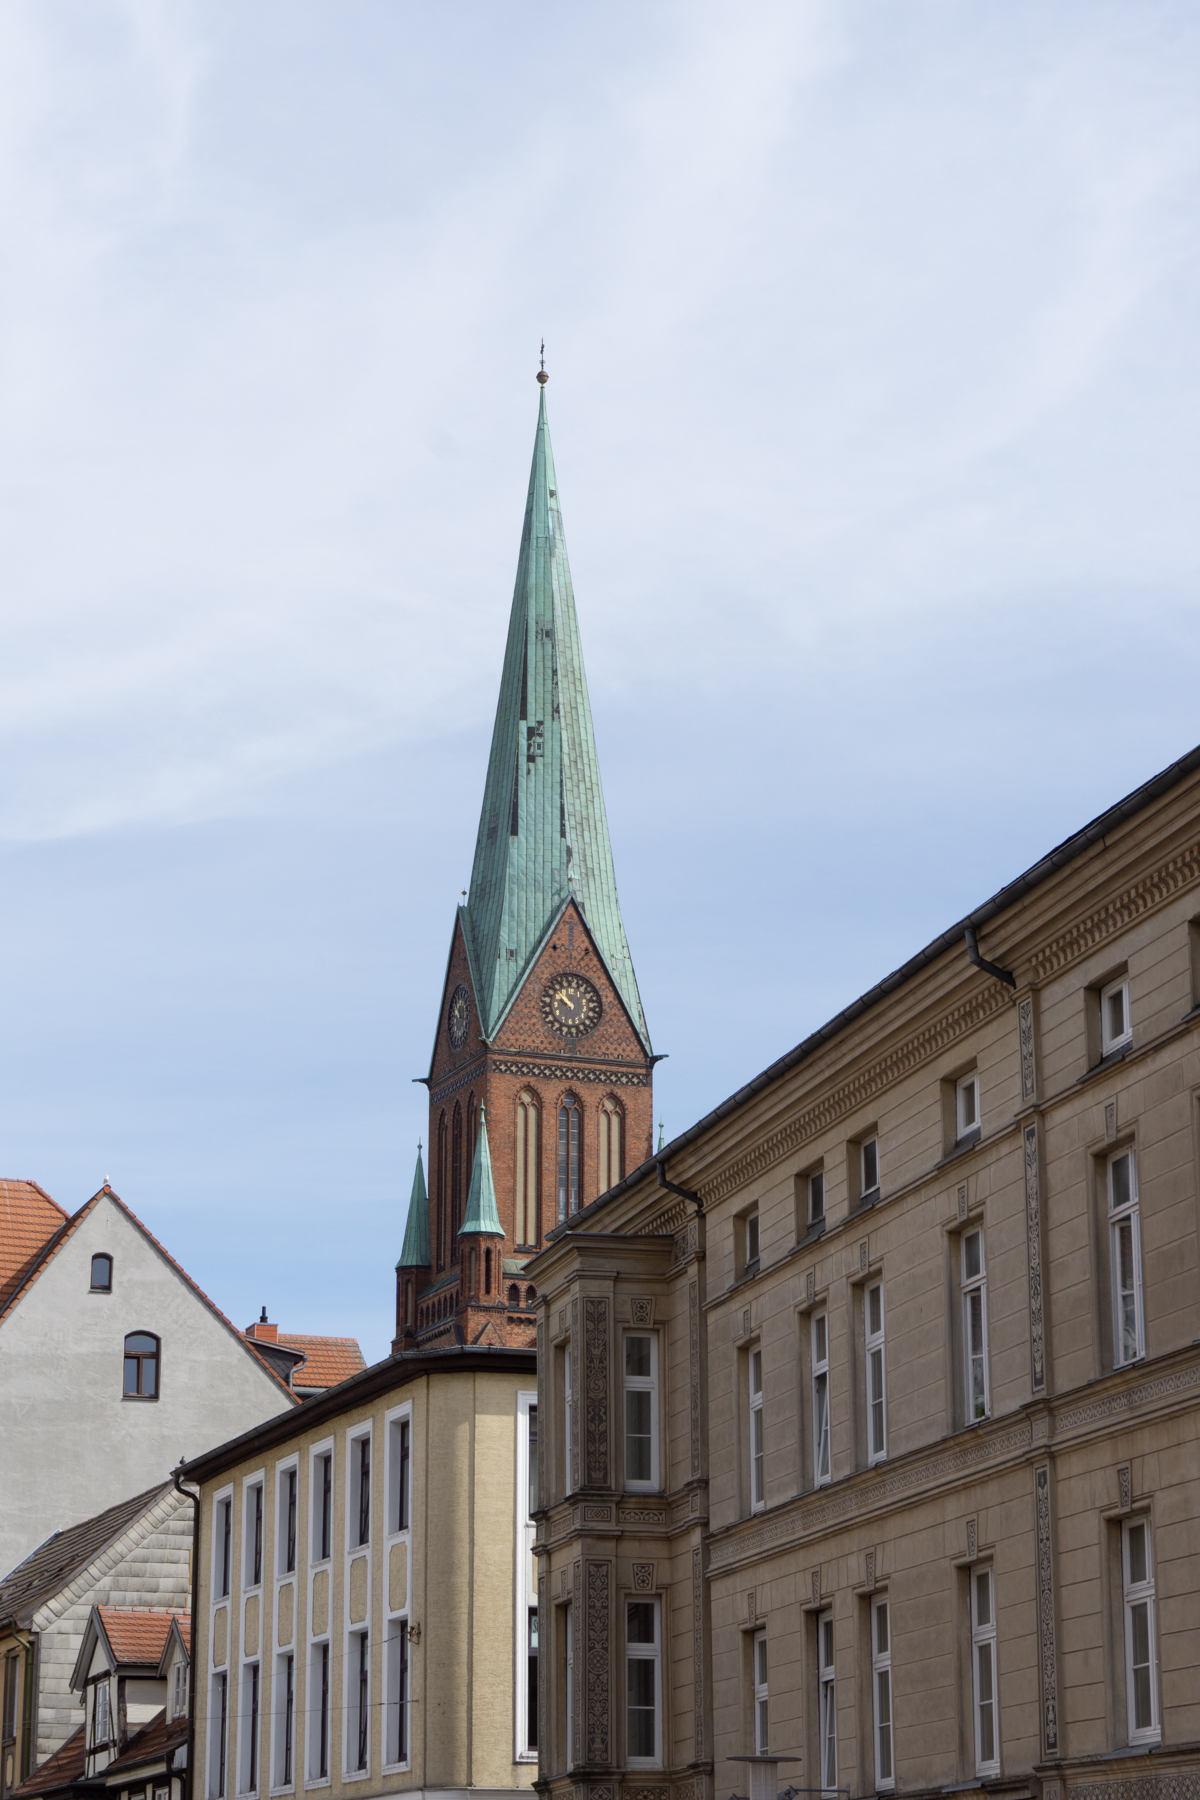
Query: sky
<point>875,401</point>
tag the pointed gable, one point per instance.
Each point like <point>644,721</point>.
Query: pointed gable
<point>543,832</point>
<point>29,1218</point>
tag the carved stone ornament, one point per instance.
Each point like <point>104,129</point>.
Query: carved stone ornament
<point>694,1374</point>
<point>1033,1240</point>
<point>816,1587</point>
<point>1047,1658</point>
<point>962,1199</point>
<point>641,1312</point>
<point>870,1562</point>
<point>595,1375</point>
<point>810,1287</point>
<point>972,1539</point>
<point>1124,1487</point>
<point>698,1652</point>
<point>746,1321</point>
<point>750,1607</point>
<point>643,1578</point>
<point>1025,1034</point>
<point>1110,1121</point>
<point>645,1793</point>
<point>863,1256</point>
<point>597,1654</point>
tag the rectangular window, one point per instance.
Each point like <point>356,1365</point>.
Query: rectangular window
<point>399,1473</point>
<point>816,1197</point>
<point>179,1690</point>
<point>762,1737</point>
<point>359,1508</point>
<point>100,1718</point>
<point>218,1723</point>
<point>974,1317</point>
<point>820,1398</point>
<point>252,1535</point>
<point>643,1687</point>
<point>1125,1251</point>
<point>317,1704</point>
<point>320,1491</point>
<point>751,1243</point>
<point>282,1774</point>
<point>1115,1028</point>
<point>8,1725</point>
<point>396,1724</point>
<point>531,1678</point>
<point>525,1595</point>
<point>358,1724</point>
<point>826,1702</point>
<point>248,1731</point>
<point>641,1410</point>
<point>983,1673</point>
<point>566,1368</point>
<point>868,1152</point>
<point>881,1691</point>
<point>757,1471</point>
<point>876,1373</point>
<point>966,1106</point>
<point>532,1462</point>
<point>222,1546</point>
<point>285,1529</point>
<point>1141,1661</point>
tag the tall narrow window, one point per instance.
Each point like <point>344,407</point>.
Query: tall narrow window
<point>526,1169</point>
<point>1126,1257</point>
<point>397,1697</point>
<point>325,1539</point>
<point>141,1366</point>
<point>361,1500</point>
<point>443,1188</point>
<point>8,1720</point>
<point>101,1729</point>
<point>399,1474</point>
<point>881,1691</point>
<point>816,1197</point>
<point>219,1725</point>
<point>223,1546</point>
<point>868,1154</point>
<point>533,1461</point>
<point>252,1535</point>
<point>966,1106</point>
<point>983,1673</point>
<point>472,1132</point>
<point>643,1686</point>
<point>1141,1662</point>
<point>751,1242</point>
<point>179,1690</point>
<point>826,1701</point>
<point>641,1410</point>
<point>876,1373</point>
<point>284,1707</point>
<point>456,1178</point>
<point>569,1134</point>
<point>1115,1029</point>
<point>974,1315</point>
<point>361,1720</point>
<point>757,1452</point>
<point>566,1436</point>
<point>611,1167</point>
<point>319,1712</point>
<point>761,1718</point>
<point>248,1731</point>
<point>290,1479</point>
<point>102,1267</point>
<point>820,1398</point>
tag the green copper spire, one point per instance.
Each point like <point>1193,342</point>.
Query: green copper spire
<point>543,832</point>
<point>415,1254</point>
<point>481,1196</point>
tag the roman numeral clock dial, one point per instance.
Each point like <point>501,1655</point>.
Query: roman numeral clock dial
<point>571,1006</point>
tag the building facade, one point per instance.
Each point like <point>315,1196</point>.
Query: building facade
<point>364,1613</point>
<point>540,1023</point>
<point>871,1405</point>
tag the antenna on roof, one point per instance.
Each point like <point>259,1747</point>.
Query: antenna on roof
<point>542,376</point>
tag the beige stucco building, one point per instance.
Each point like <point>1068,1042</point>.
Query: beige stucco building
<point>364,1602</point>
<point>871,1406</point>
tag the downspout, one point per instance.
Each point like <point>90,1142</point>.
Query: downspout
<point>191,1733</point>
<point>981,962</point>
<point>684,1193</point>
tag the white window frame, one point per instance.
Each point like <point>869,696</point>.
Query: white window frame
<point>526,1584</point>
<point>822,1452</point>
<point>872,1144</point>
<point>355,1636</point>
<point>397,1716</point>
<point>759,1672</point>
<point>815,1186</point>
<point>395,1472</point>
<point>356,1437</point>
<point>313,1776</point>
<point>250,1719</point>
<point>566,1398</point>
<point>221,1501</point>
<point>217,1773</point>
<point>282,1470</point>
<point>875,1373</point>
<point>641,1384</point>
<point>645,1653</point>
<point>397,1662</point>
<point>985,1692</point>
<point>751,1242</point>
<point>1138,1598</point>
<point>757,1443</point>
<point>281,1781</point>
<point>325,1448</point>
<point>966,1106</point>
<point>179,1688</point>
<point>881,1692</point>
<point>1108,1040</point>
<point>826,1703</point>
<point>973,1287</point>
<point>1125,1216</point>
<point>254,1486</point>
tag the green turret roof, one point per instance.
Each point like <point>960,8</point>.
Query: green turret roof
<point>481,1196</point>
<point>543,832</point>
<point>415,1254</point>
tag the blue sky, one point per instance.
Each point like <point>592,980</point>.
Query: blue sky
<point>875,402</point>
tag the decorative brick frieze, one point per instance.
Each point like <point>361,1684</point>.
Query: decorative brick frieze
<point>1126,1400</point>
<point>572,1072</point>
<point>1088,933</point>
<point>597,1627</point>
<point>595,1379</point>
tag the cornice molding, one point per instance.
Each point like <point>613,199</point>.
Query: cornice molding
<point>1078,939</point>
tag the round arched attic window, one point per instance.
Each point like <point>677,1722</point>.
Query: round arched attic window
<point>102,1268</point>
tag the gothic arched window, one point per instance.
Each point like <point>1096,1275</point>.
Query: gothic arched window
<point>612,1143</point>
<point>441,1192</point>
<point>525,1183</point>
<point>570,1153</point>
<point>456,1148</point>
<point>472,1134</point>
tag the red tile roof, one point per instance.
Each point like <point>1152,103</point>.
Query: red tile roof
<point>136,1634</point>
<point>59,1770</point>
<point>29,1218</point>
<point>327,1360</point>
<point>151,1743</point>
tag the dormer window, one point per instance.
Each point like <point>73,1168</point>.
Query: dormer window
<point>102,1267</point>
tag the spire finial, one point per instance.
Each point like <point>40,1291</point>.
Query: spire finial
<point>542,376</point>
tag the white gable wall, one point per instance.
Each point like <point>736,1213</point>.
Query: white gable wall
<point>150,1565</point>
<point>73,1444</point>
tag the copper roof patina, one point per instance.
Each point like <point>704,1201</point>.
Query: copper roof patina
<point>482,1216</point>
<point>543,831</point>
<point>415,1253</point>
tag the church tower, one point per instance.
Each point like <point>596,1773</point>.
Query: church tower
<point>541,1026</point>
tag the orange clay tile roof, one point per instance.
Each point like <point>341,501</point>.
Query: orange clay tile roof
<point>60,1770</point>
<point>29,1218</point>
<point>151,1743</point>
<point>327,1360</point>
<point>135,1634</point>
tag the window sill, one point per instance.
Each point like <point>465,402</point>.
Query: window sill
<point>816,1230</point>
<point>141,1399</point>
<point>866,1201</point>
<point>1107,1062</point>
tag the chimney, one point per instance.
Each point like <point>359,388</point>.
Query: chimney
<point>264,1333</point>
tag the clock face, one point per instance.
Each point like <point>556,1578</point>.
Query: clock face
<point>571,1006</point>
<point>458,1017</point>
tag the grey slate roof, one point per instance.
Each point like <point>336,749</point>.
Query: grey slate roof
<point>482,1215</point>
<point>543,831</point>
<point>415,1252</point>
<point>48,1569</point>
